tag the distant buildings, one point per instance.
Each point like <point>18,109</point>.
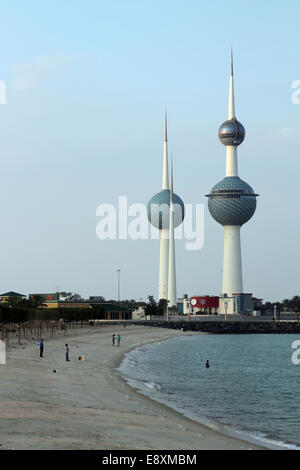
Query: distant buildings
<point>239,304</point>
<point>105,310</point>
<point>204,305</point>
<point>112,312</point>
<point>50,299</point>
<point>10,296</point>
<point>139,313</point>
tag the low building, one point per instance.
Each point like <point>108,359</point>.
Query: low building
<point>97,298</point>
<point>187,309</point>
<point>240,304</point>
<point>244,304</point>
<point>50,300</point>
<point>227,306</point>
<point>111,311</point>
<point>237,304</point>
<point>204,305</point>
<point>139,313</point>
<point>180,304</point>
<point>201,305</point>
<point>72,304</point>
<point>11,296</point>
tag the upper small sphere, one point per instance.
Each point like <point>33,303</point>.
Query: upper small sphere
<point>158,210</point>
<point>232,132</point>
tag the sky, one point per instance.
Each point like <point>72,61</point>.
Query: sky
<point>87,84</point>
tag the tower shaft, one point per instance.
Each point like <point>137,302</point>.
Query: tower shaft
<point>172,295</point>
<point>232,261</point>
<point>163,264</point>
<point>231,161</point>
<point>164,233</point>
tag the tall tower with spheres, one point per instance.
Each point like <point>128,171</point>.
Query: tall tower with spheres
<point>166,212</point>
<point>232,202</point>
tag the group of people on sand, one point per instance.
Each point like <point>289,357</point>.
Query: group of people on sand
<point>116,339</point>
<point>67,350</point>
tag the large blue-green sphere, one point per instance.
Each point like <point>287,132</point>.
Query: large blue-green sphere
<point>232,132</point>
<point>232,201</point>
<point>158,210</point>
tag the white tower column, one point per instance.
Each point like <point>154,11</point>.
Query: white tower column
<point>231,161</point>
<point>172,295</point>
<point>232,263</point>
<point>164,233</point>
<point>163,264</point>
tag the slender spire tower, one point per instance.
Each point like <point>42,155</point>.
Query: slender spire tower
<point>165,182</point>
<point>231,150</point>
<point>159,216</point>
<point>164,232</point>
<point>232,202</point>
<point>172,295</point>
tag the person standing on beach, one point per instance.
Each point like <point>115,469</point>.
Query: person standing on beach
<point>41,347</point>
<point>67,350</point>
<point>207,364</point>
<point>118,339</point>
<point>113,339</point>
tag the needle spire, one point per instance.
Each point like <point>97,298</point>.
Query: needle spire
<point>231,111</point>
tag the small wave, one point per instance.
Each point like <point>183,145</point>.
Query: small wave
<point>260,438</point>
<point>132,363</point>
<point>152,385</point>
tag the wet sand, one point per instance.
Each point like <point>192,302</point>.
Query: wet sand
<point>85,404</point>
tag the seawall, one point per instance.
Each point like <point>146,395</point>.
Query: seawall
<point>220,327</point>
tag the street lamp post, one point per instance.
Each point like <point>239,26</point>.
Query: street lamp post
<point>118,270</point>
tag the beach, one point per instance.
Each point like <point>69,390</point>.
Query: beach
<point>86,404</point>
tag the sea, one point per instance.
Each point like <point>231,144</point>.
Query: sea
<point>251,389</point>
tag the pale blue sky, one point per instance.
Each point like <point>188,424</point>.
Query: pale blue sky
<point>87,84</point>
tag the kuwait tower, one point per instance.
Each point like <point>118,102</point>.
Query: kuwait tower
<point>160,216</point>
<point>232,202</point>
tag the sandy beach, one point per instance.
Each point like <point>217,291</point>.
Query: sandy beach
<point>85,404</point>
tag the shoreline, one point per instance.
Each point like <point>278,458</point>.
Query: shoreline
<point>88,405</point>
<point>209,424</point>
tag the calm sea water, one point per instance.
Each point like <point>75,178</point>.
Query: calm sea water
<point>251,387</point>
